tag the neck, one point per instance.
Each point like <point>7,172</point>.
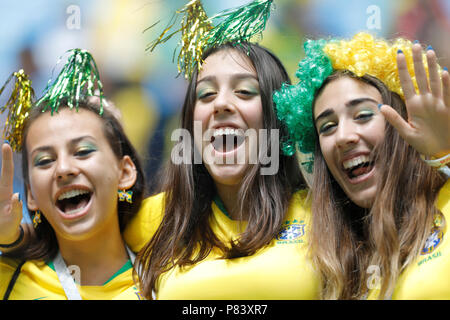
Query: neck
<point>230,199</point>
<point>98,257</point>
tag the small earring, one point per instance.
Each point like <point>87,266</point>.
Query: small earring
<point>125,195</point>
<point>37,219</point>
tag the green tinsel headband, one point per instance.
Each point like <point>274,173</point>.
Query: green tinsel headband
<point>198,33</point>
<point>78,78</point>
<point>294,102</point>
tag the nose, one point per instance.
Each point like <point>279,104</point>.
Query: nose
<point>223,103</point>
<point>65,168</point>
<point>346,135</point>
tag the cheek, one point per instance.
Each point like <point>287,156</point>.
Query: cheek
<point>254,115</point>
<point>326,147</point>
<point>378,132</point>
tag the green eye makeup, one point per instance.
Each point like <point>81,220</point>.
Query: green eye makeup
<point>41,159</point>
<point>85,148</point>
<point>202,93</point>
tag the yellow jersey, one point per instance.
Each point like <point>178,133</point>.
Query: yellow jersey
<point>280,270</point>
<point>38,280</point>
<point>429,276</point>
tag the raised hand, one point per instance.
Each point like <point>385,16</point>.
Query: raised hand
<point>10,204</point>
<point>428,126</point>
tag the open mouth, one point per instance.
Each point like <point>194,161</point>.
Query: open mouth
<point>227,139</point>
<point>73,201</point>
<point>358,166</point>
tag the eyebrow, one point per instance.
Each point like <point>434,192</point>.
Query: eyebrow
<point>350,103</point>
<point>236,76</point>
<point>72,142</point>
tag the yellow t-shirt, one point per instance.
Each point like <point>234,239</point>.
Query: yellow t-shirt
<point>429,276</point>
<point>279,270</point>
<point>38,281</point>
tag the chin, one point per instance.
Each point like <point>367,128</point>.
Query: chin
<point>364,199</point>
<point>227,175</point>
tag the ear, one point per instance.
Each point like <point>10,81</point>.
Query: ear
<point>31,203</point>
<point>128,173</point>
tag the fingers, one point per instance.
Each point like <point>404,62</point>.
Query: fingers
<point>396,121</point>
<point>419,69</point>
<point>405,78</point>
<point>446,87</point>
<point>6,179</point>
<point>17,207</point>
<point>433,72</point>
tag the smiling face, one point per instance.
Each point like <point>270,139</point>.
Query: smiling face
<point>74,174</point>
<point>349,127</point>
<point>228,104</point>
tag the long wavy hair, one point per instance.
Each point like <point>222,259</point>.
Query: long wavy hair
<point>185,237</point>
<point>43,245</point>
<point>346,239</point>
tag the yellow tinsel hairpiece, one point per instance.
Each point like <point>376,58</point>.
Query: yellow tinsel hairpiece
<point>194,27</point>
<point>365,54</point>
<point>18,105</point>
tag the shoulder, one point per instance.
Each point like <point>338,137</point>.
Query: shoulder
<point>301,200</point>
<point>153,203</point>
<point>443,201</point>
<point>145,223</point>
<point>300,204</point>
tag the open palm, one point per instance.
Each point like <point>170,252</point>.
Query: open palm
<point>427,128</point>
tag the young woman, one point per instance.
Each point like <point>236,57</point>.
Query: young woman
<point>224,229</point>
<point>379,211</point>
<point>74,163</point>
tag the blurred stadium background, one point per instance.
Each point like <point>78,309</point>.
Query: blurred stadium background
<point>144,86</point>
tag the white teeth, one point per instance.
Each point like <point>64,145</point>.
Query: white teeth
<point>72,193</point>
<point>355,161</point>
<point>228,131</point>
<point>75,211</point>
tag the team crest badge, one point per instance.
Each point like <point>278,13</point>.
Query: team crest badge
<point>291,230</point>
<point>433,241</point>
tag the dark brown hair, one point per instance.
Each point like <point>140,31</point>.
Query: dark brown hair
<point>44,245</point>
<point>185,236</point>
<point>346,239</point>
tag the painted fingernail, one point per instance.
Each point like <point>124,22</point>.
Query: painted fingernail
<point>399,51</point>
<point>416,41</point>
<point>6,141</point>
<point>430,48</point>
<point>445,69</point>
<point>379,106</point>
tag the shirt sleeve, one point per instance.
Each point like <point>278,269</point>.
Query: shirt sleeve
<point>7,268</point>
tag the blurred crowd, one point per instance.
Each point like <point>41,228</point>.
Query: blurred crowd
<point>35,34</point>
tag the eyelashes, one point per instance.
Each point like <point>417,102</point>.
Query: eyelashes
<point>85,151</point>
<point>244,92</point>
<point>42,160</point>
<point>362,116</point>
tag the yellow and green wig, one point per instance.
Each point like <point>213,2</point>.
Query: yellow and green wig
<point>363,54</point>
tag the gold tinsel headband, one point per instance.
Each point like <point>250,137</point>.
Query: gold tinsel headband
<point>18,106</point>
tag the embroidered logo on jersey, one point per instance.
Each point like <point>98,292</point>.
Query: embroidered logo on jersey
<point>291,230</point>
<point>433,241</point>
